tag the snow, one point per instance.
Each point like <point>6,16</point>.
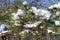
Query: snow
<point>34,9</point>
<point>54,32</point>
<point>41,27</point>
<point>17,23</point>
<point>55,6</point>
<point>32,25</point>
<point>28,25</point>
<point>41,12</point>
<point>37,23</point>
<point>47,15</point>
<point>20,12</point>
<point>57,13</point>
<point>24,31</point>
<point>16,15</point>
<point>49,31</point>
<point>4,31</point>
<point>2,27</point>
<point>57,23</point>
<point>27,31</point>
<point>25,3</point>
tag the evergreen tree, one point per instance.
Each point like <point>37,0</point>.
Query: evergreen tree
<point>31,23</point>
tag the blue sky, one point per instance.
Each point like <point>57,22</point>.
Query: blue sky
<point>11,1</point>
<point>45,2</point>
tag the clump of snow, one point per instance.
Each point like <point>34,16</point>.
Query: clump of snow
<point>4,31</point>
<point>17,23</point>
<point>34,9</point>
<point>37,32</point>
<point>32,25</point>
<point>25,3</point>
<point>54,32</point>
<point>2,27</point>
<point>27,31</point>
<point>24,31</point>
<point>47,14</point>
<point>57,23</point>
<point>16,15</point>
<point>54,6</point>
<point>57,13</point>
<point>41,27</point>
<point>41,12</point>
<point>49,31</point>
<point>20,12</point>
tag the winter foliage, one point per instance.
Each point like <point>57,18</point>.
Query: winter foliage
<point>29,21</point>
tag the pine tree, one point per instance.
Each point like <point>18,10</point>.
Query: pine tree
<point>22,15</point>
